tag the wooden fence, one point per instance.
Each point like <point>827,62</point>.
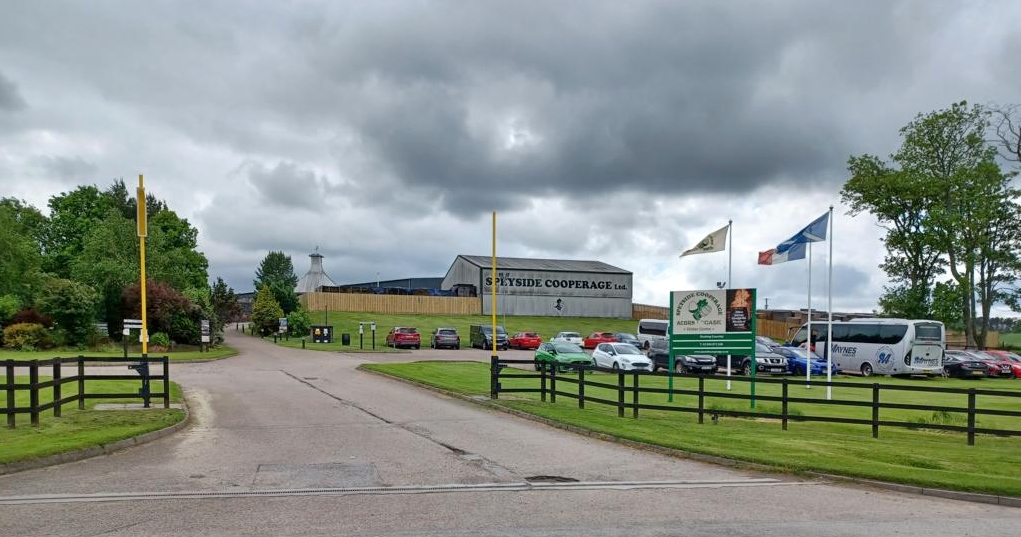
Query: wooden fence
<point>628,385</point>
<point>393,304</point>
<point>34,387</point>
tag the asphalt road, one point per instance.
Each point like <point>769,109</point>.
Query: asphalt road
<point>290,442</point>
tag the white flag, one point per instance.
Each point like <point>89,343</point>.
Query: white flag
<point>713,242</point>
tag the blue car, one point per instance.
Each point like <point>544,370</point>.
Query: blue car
<point>797,359</point>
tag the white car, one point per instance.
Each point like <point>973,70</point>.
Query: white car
<point>567,337</point>
<point>621,356</point>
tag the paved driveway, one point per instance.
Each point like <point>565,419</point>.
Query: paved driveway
<point>286,442</point>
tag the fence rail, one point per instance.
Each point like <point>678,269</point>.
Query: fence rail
<point>34,386</point>
<point>629,383</point>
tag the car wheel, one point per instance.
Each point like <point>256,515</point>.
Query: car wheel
<point>866,369</point>
<point>538,365</point>
<point>746,369</point>
<point>679,367</point>
<point>646,345</point>
<point>418,347</point>
<point>457,347</point>
<point>615,367</point>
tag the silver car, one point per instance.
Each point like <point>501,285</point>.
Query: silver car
<point>568,337</point>
<point>621,357</point>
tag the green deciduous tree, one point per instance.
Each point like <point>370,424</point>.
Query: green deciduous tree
<point>72,305</point>
<point>948,208</point>
<point>266,312</point>
<point>20,257</point>
<point>277,272</point>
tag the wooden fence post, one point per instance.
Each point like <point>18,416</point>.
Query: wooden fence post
<point>166,381</point>
<point>783,404</point>
<point>81,382</point>
<point>9,367</point>
<point>494,377</point>
<point>553,383</point>
<point>581,386</point>
<point>971,416</point>
<point>701,399</point>
<point>620,394</point>
<point>56,388</point>
<point>875,410</point>
<point>33,392</point>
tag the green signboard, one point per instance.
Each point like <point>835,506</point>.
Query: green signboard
<point>715,322</point>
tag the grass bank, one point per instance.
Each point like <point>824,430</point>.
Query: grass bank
<point>193,355</point>
<point>910,456</point>
<point>81,429</point>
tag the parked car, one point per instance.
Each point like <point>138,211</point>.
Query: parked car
<point>997,366</point>
<point>659,353</point>
<point>445,338</point>
<point>766,361</point>
<point>525,341</point>
<point>560,354</point>
<point>767,341</point>
<point>798,360</point>
<point>1014,359</point>
<point>568,337</point>
<point>625,337</point>
<point>481,336</point>
<point>621,356</point>
<point>595,338</point>
<point>404,336</point>
<point>962,364</point>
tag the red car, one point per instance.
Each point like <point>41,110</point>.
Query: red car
<point>1013,359</point>
<point>404,336</point>
<point>595,338</point>
<point>525,340</point>
<point>998,367</point>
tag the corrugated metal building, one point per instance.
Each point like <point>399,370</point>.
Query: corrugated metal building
<point>547,287</point>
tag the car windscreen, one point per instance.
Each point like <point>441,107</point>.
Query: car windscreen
<point>447,332</point>
<point>627,349</point>
<point>407,330</point>
<point>564,347</point>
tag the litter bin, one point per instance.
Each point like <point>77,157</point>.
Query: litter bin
<point>345,339</point>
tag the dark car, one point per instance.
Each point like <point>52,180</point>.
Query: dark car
<point>625,337</point>
<point>659,353</point>
<point>445,338</point>
<point>963,364</point>
<point>481,336</point>
<point>766,361</point>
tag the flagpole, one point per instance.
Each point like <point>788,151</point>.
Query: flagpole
<point>730,263</point>
<point>829,309</point>
<point>808,360</point>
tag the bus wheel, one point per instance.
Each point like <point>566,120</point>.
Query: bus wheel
<point>866,370</point>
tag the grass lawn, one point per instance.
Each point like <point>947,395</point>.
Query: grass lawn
<point>911,456</point>
<point>1011,340</point>
<point>215,353</point>
<point>80,429</point>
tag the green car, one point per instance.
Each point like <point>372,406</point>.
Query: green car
<point>560,353</point>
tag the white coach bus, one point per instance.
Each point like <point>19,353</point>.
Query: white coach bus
<point>650,330</point>
<point>882,346</point>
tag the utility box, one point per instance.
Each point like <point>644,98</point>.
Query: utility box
<point>322,334</point>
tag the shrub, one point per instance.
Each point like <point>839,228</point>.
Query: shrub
<point>299,322</point>
<point>27,337</point>
<point>32,316</point>
<point>160,339</point>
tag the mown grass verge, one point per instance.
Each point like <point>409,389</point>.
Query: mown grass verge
<point>81,429</point>
<point>215,353</point>
<point>917,457</point>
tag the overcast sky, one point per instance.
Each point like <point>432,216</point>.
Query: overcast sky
<point>386,133</point>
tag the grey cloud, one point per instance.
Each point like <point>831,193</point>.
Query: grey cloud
<point>287,185</point>
<point>73,168</point>
<point>10,99</point>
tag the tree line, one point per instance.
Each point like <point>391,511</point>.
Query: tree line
<point>949,204</point>
<point>63,273</point>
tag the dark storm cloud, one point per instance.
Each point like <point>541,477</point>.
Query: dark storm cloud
<point>67,168</point>
<point>10,98</point>
<point>287,185</point>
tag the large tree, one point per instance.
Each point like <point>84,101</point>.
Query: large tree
<point>277,273</point>
<point>945,203</point>
<point>20,258</point>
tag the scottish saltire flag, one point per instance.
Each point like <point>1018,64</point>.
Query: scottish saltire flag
<point>713,242</point>
<point>773,257</point>
<point>814,232</point>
